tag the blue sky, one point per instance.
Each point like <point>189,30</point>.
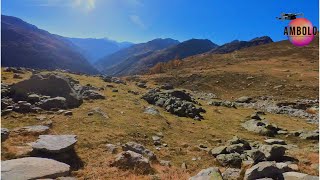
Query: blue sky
<point>136,21</point>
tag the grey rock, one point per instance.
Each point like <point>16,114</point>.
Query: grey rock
<point>232,160</point>
<point>33,98</point>
<point>141,85</point>
<point>208,174</point>
<point>184,166</point>
<point>151,110</point>
<point>244,99</point>
<point>309,135</point>
<point>165,163</point>
<point>52,103</point>
<point>218,150</point>
<point>92,94</point>
<point>298,176</point>
<point>235,148</point>
<point>231,174</point>
<point>256,155</point>
<point>53,85</point>
<point>4,134</point>
<point>166,86</point>
<point>33,168</point>
<point>266,169</point>
<point>138,148</point>
<point>273,152</point>
<point>237,140</point>
<point>260,127</point>
<point>132,160</point>
<point>54,143</point>
<point>111,148</point>
<point>68,113</point>
<point>275,141</point>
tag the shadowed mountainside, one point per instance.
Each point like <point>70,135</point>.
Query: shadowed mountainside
<point>24,45</point>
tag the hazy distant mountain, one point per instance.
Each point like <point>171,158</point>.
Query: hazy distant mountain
<point>94,49</point>
<point>106,63</point>
<point>24,45</point>
<point>141,63</point>
<point>237,45</point>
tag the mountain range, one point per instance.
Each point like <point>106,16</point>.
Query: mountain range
<point>25,45</point>
<point>94,49</point>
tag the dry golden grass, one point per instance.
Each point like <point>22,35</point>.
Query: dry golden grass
<point>127,122</point>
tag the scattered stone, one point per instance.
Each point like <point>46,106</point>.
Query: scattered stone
<point>68,113</point>
<point>156,140</point>
<point>91,94</point>
<point>151,110</point>
<point>33,168</point>
<point>256,155</point>
<point>273,152</point>
<point>133,92</point>
<point>275,141</point>
<point>218,150</point>
<point>309,135</point>
<point>235,148</point>
<point>266,169</point>
<point>111,148</point>
<point>166,86</point>
<point>132,160</point>
<point>99,112</point>
<point>260,127</point>
<point>138,148</point>
<point>115,90</point>
<point>227,104</point>
<point>237,140</point>
<point>232,160</point>
<point>141,84</point>
<point>4,134</point>
<point>297,176</point>
<point>54,143</point>
<point>41,117</point>
<point>231,174</point>
<point>17,76</point>
<point>244,99</point>
<point>184,166</point>
<point>165,163</point>
<point>207,174</point>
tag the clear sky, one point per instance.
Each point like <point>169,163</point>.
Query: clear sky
<point>137,21</point>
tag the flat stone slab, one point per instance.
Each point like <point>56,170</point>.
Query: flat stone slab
<point>33,168</point>
<point>54,143</point>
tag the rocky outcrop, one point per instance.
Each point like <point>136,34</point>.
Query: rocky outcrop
<point>138,148</point>
<point>176,102</point>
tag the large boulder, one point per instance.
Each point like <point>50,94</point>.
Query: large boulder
<point>212,173</point>
<point>52,85</point>
<point>132,160</point>
<point>310,135</point>
<point>33,168</point>
<point>218,150</point>
<point>54,143</point>
<point>266,169</point>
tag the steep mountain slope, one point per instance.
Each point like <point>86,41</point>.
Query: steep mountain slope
<point>141,63</point>
<point>105,63</point>
<point>237,45</point>
<point>94,49</point>
<point>24,45</point>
